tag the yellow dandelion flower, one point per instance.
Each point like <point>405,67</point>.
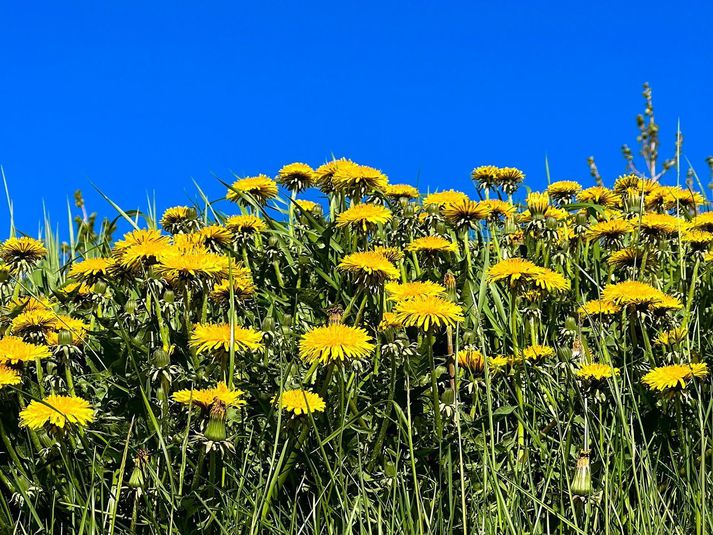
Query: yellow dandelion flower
<point>296,176</point>
<point>243,287</point>
<point>356,180</point>
<point>9,376</point>
<point>14,349</point>
<point>498,209</point>
<point>598,307</point>
<point>627,257</point>
<point>697,238</point>
<point>91,269</point>
<point>537,352</point>
<point>29,302</point>
<point>431,245</point>
<point>179,219</point>
<point>428,311</point>
<point>634,294</point>
<point>389,321</point>
<point>564,189</point>
<point>666,303</point>
<point>215,338</point>
<point>401,191</point>
<point>660,224</point>
<point>300,401</point>
<point>215,237</point>
<point>674,376</point>
<point>245,224</point>
<point>139,237</point>
<point>485,176</point>
<point>179,266</point>
<point>336,342</point>
<point>58,412</point>
<point>392,254</point>
<point>444,197</point>
<point>672,337</point>
<point>261,187</point>
<point>472,359</point>
<point>38,321</point>
<point>207,396</point>
<point>509,178</point>
<point>513,270</point>
<point>550,281</point>
<point>364,216</point>
<point>610,230</point>
<point>308,206</point>
<point>675,196</point>
<point>498,363</point>
<point>596,371</point>
<point>325,173</point>
<point>465,213</point>
<point>410,290</point>
<point>551,212</point>
<point>76,330</point>
<point>368,267</point>
<point>141,255</point>
<point>22,254</point>
<point>537,203</point>
<point>702,221</point>
<point>599,195</point>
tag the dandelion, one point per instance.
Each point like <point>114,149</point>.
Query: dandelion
<point>628,257</point>
<point>179,219</point>
<point>432,245</point>
<point>410,290</point>
<point>22,254</point>
<point>300,401</point>
<point>672,337</point>
<point>538,203</point>
<point>215,237</point>
<point>513,270</point>
<point>245,225</point>
<point>369,268</point>
<point>537,352</point>
<point>91,270</point>
<point>596,371</point>
<point>498,209</point>
<point>657,225</point>
<point>357,180</point>
<point>34,323</point>
<point>442,198</point>
<point>564,190</point>
<point>324,174</point>
<point>401,191</point>
<point>261,188</point>
<point>389,321</point>
<point>14,350</point>
<point>465,213</point>
<point>392,254</point>
<point>675,197</point>
<point>296,176</point>
<point>486,176</point>
<point>702,221</point>
<point>335,343</point>
<point>242,286</point>
<point>216,339</point>
<point>364,216</point>
<point>472,359</point>
<point>58,412</point>
<point>550,281</point>
<point>599,195</point>
<point>509,179</point>
<point>635,294</point>
<point>697,239</point>
<point>204,398</point>
<point>9,376</point>
<point>598,307</point>
<point>428,311</point>
<point>610,231</point>
<point>70,330</point>
<point>308,206</point>
<point>664,378</point>
<point>182,267</point>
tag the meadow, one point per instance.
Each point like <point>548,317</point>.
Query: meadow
<point>385,360</point>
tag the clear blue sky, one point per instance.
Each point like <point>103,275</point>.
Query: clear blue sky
<point>139,97</point>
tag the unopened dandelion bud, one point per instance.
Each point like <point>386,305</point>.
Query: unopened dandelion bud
<point>581,219</point>
<point>215,430</point>
<point>273,241</point>
<point>449,281</point>
<point>136,481</point>
<point>130,306</point>
<point>100,287</point>
<point>469,337</point>
<point>64,338</point>
<point>336,314</point>
<point>582,482</point>
<point>161,358</point>
<point>169,296</point>
<point>4,274</point>
<point>570,324</point>
<point>409,210</point>
<point>441,228</point>
<point>268,324</point>
<point>551,223</point>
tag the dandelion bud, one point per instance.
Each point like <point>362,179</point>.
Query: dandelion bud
<point>449,281</point>
<point>335,315</point>
<point>581,219</point>
<point>4,274</point>
<point>433,209</point>
<point>570,324</point>
<point>136,481</point>
<point>582,482</point>
<point>469,337</point>
<point>441,228</point>
<point>273,241</point>
<point>268,324</point>
<point>100,287</point>
<point>130,306</point>
<point>409,210</point>
<point>161,358</point>
<point>64,338</point>
<point>551,223</point>
<point>169,296</point>
<point>215,430</point>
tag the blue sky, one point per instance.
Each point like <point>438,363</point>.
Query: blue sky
<point>138,97</point>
